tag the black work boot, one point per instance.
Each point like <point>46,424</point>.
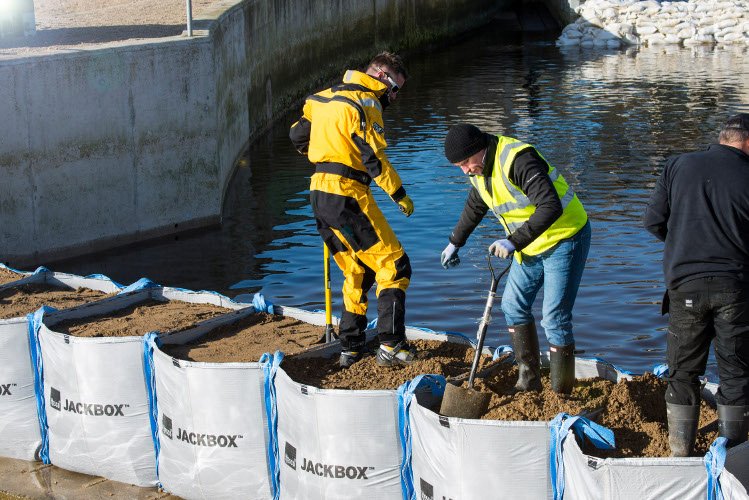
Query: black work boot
<point>733,423</point>
<point>562,368</point>
<point>525,345</point>
<point>351,351</point>
<point>682,428</point>
<point>397,353</point>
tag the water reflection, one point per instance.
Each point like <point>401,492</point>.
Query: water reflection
<point>606,119</point>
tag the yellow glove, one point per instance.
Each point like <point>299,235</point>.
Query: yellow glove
<point>406,205</point>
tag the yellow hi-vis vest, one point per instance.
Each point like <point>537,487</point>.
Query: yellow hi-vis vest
<point>513,208</point>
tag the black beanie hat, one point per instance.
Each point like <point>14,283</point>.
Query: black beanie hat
<point>463,140</point>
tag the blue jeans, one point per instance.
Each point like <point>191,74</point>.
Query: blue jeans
<point>559,270</point>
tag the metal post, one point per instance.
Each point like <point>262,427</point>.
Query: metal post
<point>189,17</point>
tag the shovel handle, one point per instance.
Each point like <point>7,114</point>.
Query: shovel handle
<point>486,318</point>
<point>329,333</point>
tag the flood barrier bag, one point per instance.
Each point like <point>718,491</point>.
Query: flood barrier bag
<point>582,476</point>
<point>210,419</point>
<point>94,411</point>
<point>343,444</point>
<point>19,426</point>
<point>466,458</point>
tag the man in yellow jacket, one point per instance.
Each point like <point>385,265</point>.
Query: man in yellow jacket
<point>342,132</point>
<point>546,229</point>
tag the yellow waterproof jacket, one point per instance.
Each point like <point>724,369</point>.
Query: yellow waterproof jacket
<point>342,132</point>
<point>512,207</point>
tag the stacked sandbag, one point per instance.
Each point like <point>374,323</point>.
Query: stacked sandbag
<point>210,419</point>
<point>577,475</point>
<point>471,458</point>
<point>19,426</point>
<point>94,403</point>
<point>338,443</point>
<point>613,23</point>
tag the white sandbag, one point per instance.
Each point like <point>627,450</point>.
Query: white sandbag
<point>458,458</point>
<point>213,433</point>
<point>346,445</point>
<point>487,459</point>
<point>19,425</point>
<point>589,477</point>
<point>585,476</point>
<point>95,411</point>
<point>210,421</point>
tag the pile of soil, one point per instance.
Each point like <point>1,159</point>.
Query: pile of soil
<point>636,412</point>
<point>142,318</point>
<point>6,276</point>
<point>25,299</point>
<point>248,339</point>
<point>443,358</point>
<point>634,409</point>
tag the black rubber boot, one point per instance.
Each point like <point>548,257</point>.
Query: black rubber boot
<point>525,345</point>
<point>682,428</point>
<point>562,368</point>
<point>733,423</point>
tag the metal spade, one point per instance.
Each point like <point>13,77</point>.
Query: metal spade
<point>468,402</point>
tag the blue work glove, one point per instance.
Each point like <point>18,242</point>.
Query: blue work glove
<point>502,249</point>
<point>450,256</point>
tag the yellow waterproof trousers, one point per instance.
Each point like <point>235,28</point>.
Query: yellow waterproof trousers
<point>366,250</point>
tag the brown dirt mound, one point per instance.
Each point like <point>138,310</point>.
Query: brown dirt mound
<point>6,276</point>
<point>25,299</point>
<point>248,339</point>
<point>634,409</point>
<point>434,357</point>
<point>636,412</point>
<point>142,318</point>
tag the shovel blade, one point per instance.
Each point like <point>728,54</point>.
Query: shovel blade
<point>464,403</point>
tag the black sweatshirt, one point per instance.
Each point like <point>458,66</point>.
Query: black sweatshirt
<point>700,208</point>
<point>530,173</point>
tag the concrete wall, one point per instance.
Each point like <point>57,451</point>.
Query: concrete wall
<point>564,11</point>
<point>109,146</point>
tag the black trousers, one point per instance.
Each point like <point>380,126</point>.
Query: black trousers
<point>703,311</point>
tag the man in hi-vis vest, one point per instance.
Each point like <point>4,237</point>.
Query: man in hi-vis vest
<point>548,232</point>
<point>341,131</point>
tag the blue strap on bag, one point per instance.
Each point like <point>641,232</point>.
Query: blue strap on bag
<point>715,460</point>
<point>262,305</point>
<point>601,437</point>
<point>435,384</point>
<point>35,352</point>
<point>150,342</point>
<point>270,364</point>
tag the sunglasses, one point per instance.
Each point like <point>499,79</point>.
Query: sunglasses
<point>394,87</point>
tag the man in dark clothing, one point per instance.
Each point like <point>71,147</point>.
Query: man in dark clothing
<point>700,209</point>
<point>546,228</point>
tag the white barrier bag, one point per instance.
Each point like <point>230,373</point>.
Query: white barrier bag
<point>461,458</point>
<point>95,397</point>
<point>212,432</point>
<point>580,476</point>
<point>19,426</point>
<point>96,407</point>
<point>488,459</point>
<point>337,444</point>
<point>211,419</point>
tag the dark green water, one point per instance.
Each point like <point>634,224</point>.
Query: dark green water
<point>606,119</point>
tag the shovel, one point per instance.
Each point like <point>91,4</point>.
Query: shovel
<point>469,403</point>
<point>329,335</point>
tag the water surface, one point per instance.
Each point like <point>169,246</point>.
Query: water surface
<point>606,119</point>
